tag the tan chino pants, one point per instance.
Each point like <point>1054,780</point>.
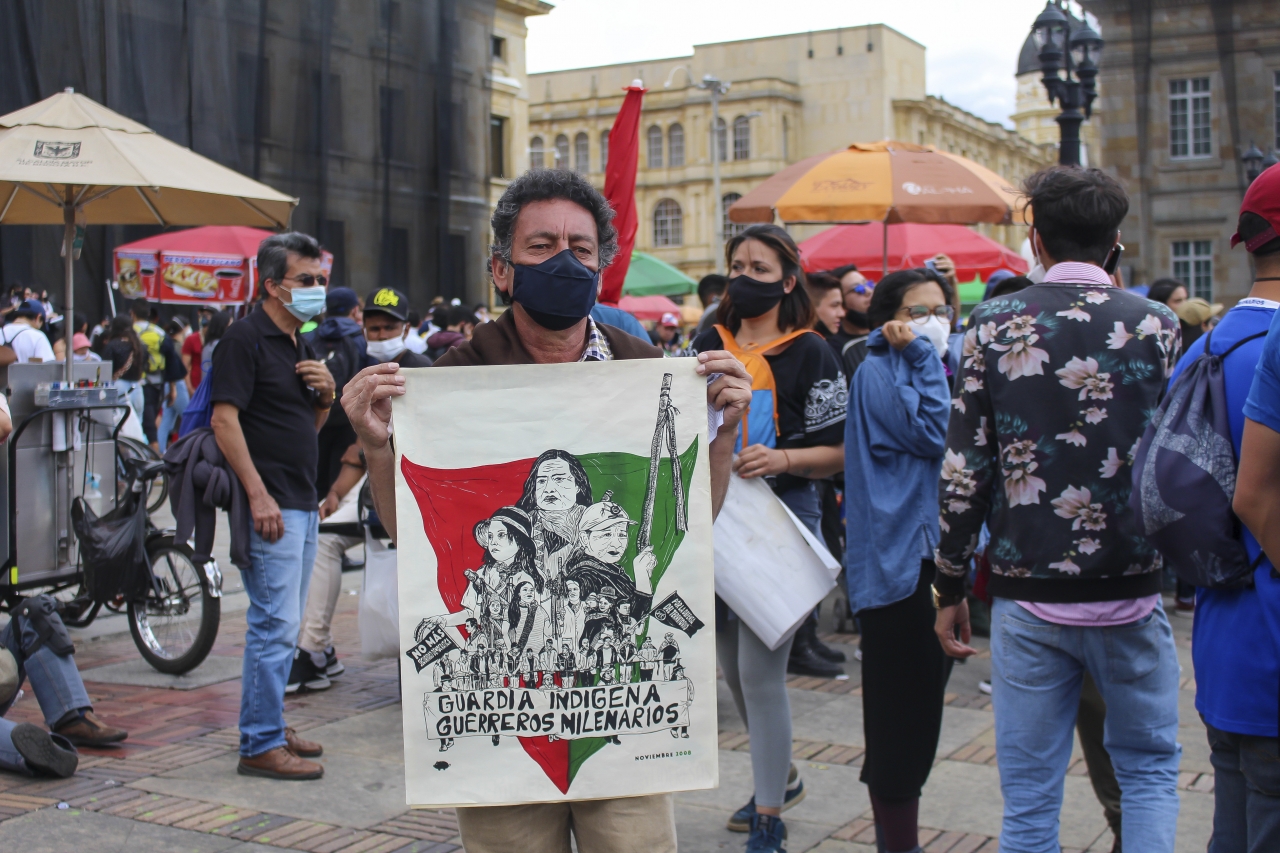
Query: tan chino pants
<point>624,825</point>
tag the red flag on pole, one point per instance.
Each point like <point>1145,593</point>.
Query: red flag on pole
<point>620,188</point>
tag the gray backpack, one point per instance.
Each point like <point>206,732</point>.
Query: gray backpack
<point>1184,479</point>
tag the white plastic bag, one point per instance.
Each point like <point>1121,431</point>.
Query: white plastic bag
<point>770,569</point>
<point>379,604</point>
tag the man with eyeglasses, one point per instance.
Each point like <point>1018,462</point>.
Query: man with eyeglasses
<point>851,340</point>
<point>270,397</point>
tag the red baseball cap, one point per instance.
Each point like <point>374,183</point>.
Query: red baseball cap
<point>1262,199</point>
<point>670,319</point>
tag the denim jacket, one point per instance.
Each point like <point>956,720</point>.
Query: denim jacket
<point>894,440</point>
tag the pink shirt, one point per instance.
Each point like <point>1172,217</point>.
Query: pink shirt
<point>1091,614</point>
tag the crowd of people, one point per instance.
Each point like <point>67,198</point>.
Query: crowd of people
<point>956,463</point>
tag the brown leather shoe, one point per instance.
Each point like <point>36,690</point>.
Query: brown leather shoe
<point>89,730</point>
<point>299,747</point>
<point>279,763</point>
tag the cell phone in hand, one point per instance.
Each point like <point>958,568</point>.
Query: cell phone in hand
<point>931,264</point>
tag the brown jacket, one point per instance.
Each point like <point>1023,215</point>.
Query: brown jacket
<point>497,343</point>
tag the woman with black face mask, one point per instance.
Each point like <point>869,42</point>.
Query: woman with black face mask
<point>792,438</point>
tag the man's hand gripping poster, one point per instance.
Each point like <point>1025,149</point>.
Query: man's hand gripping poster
<point>555,571</point>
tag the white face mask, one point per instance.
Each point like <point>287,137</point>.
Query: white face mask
<point>1036,274</point>
<point>384,351</point>
<point>937,330</point>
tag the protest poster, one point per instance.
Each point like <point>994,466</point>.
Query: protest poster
<point>555,567</point>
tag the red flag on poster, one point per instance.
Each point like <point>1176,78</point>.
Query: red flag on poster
<point>620,188</point>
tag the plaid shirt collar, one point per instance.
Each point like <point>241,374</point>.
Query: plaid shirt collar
<point>597,348</point>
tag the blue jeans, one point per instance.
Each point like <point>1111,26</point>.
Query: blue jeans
<point>277,587</point>
<point>805,502</point>
<point>1246,792</point>
<point>169,417</point>
<point>55,681</point>
<point>132,391</point>
<point>1036,671</point>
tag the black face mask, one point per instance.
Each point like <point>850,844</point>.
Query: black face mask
<point>857,319</point>
<point>752,298</point>
<point>556,293</point>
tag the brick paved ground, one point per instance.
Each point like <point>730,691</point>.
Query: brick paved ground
<point>172,786</point>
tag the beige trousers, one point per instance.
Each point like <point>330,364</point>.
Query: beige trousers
<point>322,596</point>
<point>625,825</point>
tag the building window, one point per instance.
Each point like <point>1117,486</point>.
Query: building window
<point>1193,263</point>
<point>786,139</point>
<point>655,147</point>
<point>581,153</point>
<point>535,153</point>
<point>397,254</point>
<point>721,152</point>
<point>334,238</point>
<point>729,230</point>
<point>668,224</point>
<point>251,116</point>
<point>1276,146</point>
<point>395,139</point>
<point>389,15</point>
<point>604,150</point>
<point>1189,118</point>
<point>742,138</point>
<point>328,137</point>
<point>675,144</point>
<point>562,152</point>
<point>498,46</point>
<point>497,147</point>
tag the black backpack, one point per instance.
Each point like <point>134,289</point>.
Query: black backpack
<point>1184,479</point>
<point>174,369</point>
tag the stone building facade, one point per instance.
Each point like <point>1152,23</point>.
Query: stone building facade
<point>790,96</point>
<point>1187,88</point>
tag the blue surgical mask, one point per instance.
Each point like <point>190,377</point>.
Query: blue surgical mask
<point>556,293</point>
<point>306,302</point>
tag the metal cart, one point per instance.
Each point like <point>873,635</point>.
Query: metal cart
<point>68,448</point>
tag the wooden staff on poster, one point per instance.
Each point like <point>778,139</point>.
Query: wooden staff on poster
<point>664,433</point>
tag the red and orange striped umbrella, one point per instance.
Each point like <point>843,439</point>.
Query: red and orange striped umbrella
<point>883,182</point>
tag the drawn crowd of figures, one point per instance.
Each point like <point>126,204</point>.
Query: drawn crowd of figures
<point>552,604</point>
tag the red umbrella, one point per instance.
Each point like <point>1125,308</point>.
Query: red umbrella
<point>648,307</point>
<point>910,244</point>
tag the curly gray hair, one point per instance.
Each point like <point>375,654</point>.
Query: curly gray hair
<point>546,185</point>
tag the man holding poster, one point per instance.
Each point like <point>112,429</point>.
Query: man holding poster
<point>552,237</point>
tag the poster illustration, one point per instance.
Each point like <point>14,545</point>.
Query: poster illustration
<point>556,581</point>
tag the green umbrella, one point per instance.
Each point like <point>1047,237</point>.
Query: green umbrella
<point>648,276</point>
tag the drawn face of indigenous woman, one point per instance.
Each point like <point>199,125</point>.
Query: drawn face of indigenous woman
<point>555,487</point>
<point>502,545</point>
<point>573,592</point>
<point>608,543</point>
<point>525,595</point>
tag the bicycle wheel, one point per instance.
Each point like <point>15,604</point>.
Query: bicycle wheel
<point>158,489</point>
<point>174,631</point>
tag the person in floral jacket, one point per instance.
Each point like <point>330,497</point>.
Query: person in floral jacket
<point>1057,384</point>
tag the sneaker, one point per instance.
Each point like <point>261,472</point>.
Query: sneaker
<point>305,674</point>
<point>741,819</point>
<point>332,666</point>
<point>984,686</point>
<point>768,835</point>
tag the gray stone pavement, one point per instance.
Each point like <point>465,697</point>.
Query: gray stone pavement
<point>173,786</point>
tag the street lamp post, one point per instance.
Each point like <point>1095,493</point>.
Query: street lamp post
<point>717,89</point>
<point>1063,49</point>
<point>1255,162</point>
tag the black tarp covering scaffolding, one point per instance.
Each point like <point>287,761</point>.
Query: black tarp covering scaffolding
<point>374,113</point>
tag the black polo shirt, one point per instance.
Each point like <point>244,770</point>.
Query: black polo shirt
<point>253,370</point>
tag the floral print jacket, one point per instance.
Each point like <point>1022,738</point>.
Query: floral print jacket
<point>1056,387</point>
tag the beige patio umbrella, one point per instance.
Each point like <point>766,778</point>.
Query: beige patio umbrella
<point>69,160</point>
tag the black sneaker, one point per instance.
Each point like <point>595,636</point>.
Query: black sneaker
<point>305,674</point>
<point>332,666</point>
<point>45,753</point>
<point>740,821</point>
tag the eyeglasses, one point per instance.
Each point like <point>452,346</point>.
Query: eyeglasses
<point>919,313</point>
<point>307,280</point>
<point>864,289</point>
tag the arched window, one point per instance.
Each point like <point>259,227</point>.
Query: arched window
<point>729,230</point>
<point>668,224</point>
<point>581,153</point>
<point>535,153</point>
<point>675,145</point>
<point>562,152</point>
<point>742,138</point>
<point>655,147</point>
<point>721,141</point>
<point>604,150</point>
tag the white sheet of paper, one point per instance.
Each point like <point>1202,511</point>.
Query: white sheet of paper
<point>770,569</point>
<point>460,434</point>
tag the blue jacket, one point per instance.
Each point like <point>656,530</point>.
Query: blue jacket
<point>615,316</point>
<point>894,440</point>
